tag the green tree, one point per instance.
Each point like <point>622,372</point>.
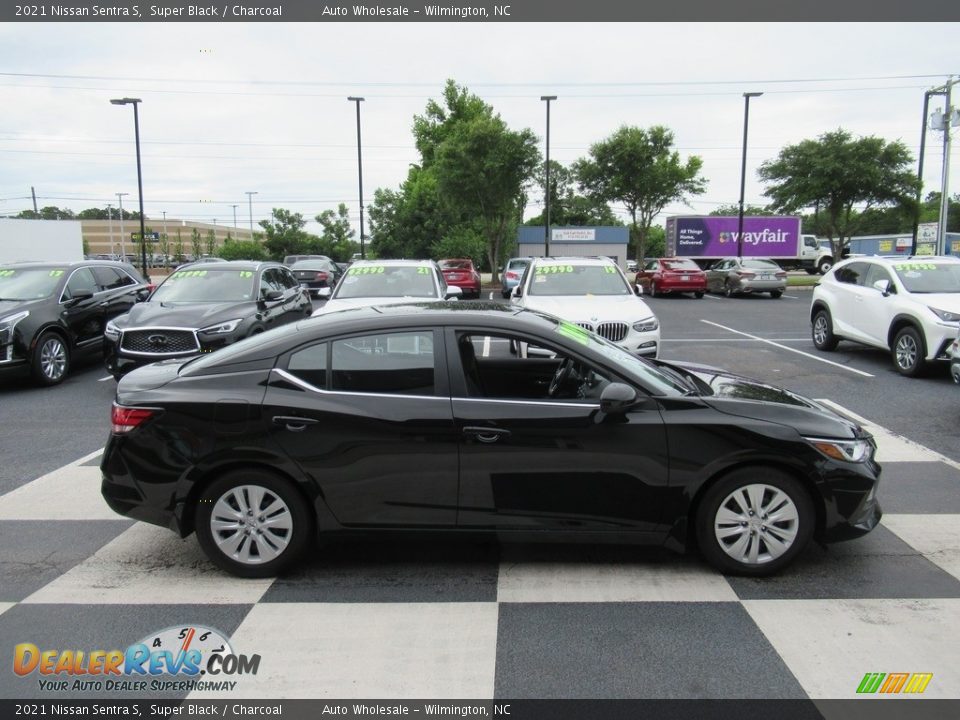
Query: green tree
<point>482,168</point>
<point>734,210</point>
<point>196,244</point>
<point>243,250</point>
<point>336,241</point>
<point>407,222</point>
<point>836,174</point>
<point>165,247</point>
<point>211,242</point>
<point>285,234</point>
<point>50,212</point>
<point>638,168</point>
<point>178,248</point>
<point>435,126</point>
<point>566,206</point>
<point>463,241</point>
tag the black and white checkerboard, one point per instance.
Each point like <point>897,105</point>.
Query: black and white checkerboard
<point>460,620</point>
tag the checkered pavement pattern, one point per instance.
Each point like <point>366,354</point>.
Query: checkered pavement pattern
<point>462,620</point>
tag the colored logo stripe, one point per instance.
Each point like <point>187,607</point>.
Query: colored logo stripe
<point>893,683</point>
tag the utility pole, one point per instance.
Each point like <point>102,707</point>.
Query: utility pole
<point>234,216</point>
<point>945,181</point>
<point>113,250</point>
<point>33,192</point>
<point>123,243</point>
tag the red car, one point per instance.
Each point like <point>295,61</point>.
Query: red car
<point>667,275</point>
<point>462,273</point>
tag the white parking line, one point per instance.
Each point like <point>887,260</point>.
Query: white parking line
<point>714,297</point>
<point>734,340</point>
<point>790,349</point>
<point>104,379</point>
<point>491,295</point>
<point>790,297</point>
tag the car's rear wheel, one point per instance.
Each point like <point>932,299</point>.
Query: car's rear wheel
<point>908,352</point>
<point>698,294</point>
<point>824,267</point>
<point>51,359</point>
<point>823,337</point>
<point>728,289</point>
<point>754,521</point>
<point>253,524</point>
<point>776,294</point>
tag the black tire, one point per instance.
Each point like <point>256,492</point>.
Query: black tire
<point>728,289</point>
<point>295,541</point>
<point>776,491</point>
<point>909,352</point>
<point>775,294</point>
<point>811,271</point>
<point>505,294</point>
<point>821,329</point>
<point>50,360</point>
<point>698,294</point>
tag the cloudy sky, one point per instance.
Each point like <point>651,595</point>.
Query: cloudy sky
<point>262,107</point>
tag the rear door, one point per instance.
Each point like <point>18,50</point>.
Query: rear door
<point>849,306</point>
<point>367,418</point>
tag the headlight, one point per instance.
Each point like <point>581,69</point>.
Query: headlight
<point>854,451</point>
<point>222,328</point>
<point>647,325</point>
<point>7,325</point>
<point>112,331</point>
<point>945,315</point>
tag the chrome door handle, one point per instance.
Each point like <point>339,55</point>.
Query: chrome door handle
<point>486,434</point>
<point>294,424</point>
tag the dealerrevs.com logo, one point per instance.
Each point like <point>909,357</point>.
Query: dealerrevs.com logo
<point>894,683</point>
<point>181,658</point>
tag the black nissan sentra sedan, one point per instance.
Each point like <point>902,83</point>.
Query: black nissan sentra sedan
<point>395,418</point>
<point>201,308</point>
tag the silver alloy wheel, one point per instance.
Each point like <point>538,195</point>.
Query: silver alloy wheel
<point>820,329</point>
<point>907,352</point>
<point>53,359</point>
<point>251,524</point>
<point>756,524</point>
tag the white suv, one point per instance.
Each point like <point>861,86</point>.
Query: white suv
<point>910,306</point>
<point>594,294</point>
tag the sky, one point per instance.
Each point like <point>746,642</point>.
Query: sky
<point>262,107</point>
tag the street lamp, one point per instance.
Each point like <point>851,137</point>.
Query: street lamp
<point>113,250</point>
<point>234,216</point>
<point>546,228</point>
<point>250,195</point>
<point>136,130</point>
<point>359,100</point>
<point>123,242</point>
<point>743,167</point>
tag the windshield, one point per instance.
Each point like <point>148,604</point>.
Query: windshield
<point>324,265</point>
<point>387,281</point>
<point>680,265</point>
<point>567,279</point>
<point>649,374</point>
<point>206,286</point>
<point>926,277</point>
<point>29,284</point>
<point>456,264</point>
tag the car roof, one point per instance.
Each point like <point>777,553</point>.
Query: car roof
<point>394,261</point>
<point>237,265</point>
<point>578,259</point>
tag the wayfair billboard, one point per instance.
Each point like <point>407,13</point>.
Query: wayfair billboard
<point>712,236</point>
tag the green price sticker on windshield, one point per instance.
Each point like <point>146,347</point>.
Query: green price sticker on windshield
<point>915,266</point>
<point>191,273</point>
<point>610,270</point>
<point>56,273</point>
<point>367,270</point>
<point>574,332</point>
<point>423,271</point>
<point>552,269</point>
<point>7,273</point>
<point>246,273</point>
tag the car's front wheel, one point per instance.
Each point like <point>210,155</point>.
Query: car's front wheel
<point>51,359</point>
<point>776,294</point>
<point>908,352</point>
<point>754,521</point>
<point>698,294</point>
<point>253,524</point>
<point>728,289</point>
<point>823,337</point>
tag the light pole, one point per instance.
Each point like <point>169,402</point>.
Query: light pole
<point>250,195</point>
<point>123,242</point>
<point>110,220</point>
<point>359,100</point>
<point>546,228</point>
<point>234,216</point>
<point>743,167</point>
<point>136,130</point>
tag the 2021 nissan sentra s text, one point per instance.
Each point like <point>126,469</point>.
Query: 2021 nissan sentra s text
<point>395,418</point>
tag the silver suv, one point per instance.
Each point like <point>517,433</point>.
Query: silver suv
<point>909,306</point>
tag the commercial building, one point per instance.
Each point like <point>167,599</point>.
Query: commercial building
<point>605,241</point>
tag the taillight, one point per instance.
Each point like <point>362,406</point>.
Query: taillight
<point>747,275</point>
<point>510,275</point>
<point>151,287</point>
<point>125,419</point>
<point>321,276</point>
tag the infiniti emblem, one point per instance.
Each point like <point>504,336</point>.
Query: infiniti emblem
<point>157,339</point>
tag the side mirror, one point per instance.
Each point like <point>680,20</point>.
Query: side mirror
<point>884,286</point>
<point>617,398</point>
<point>272,296</point>
<point>78,297</point>
<point>324,293</point>
<point>454,292</point>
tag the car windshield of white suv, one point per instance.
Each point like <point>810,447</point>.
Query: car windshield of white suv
<point>929,277</point>
<point>28,284</point>
<point>207,285</point>
<point>568,279</point>
<point>387,281</point>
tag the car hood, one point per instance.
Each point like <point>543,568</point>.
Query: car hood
<point>741,396</point>
<point>347,303</point>
<point>9,307</point>
<point>591,308</point>
<point>194,316</point>
<point>941,301</point>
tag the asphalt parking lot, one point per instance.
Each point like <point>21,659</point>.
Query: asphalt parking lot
<point>481,620</point>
